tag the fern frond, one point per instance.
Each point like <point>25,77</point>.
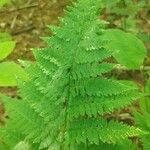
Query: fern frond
<point>98,87</point>
<point>67,94</point>
<point>94,106</point>
<point>9,138</point>
<point>143,122</point>
<point>29,124</point>
<point>121,145</point>
<point>88,70</point>
<point>95,130</point>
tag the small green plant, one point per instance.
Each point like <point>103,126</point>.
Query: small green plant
<point>143,118</point>
<point>9,71</point>
<point>65,100</point>
<point>143,122</point>
<point>124,13</point>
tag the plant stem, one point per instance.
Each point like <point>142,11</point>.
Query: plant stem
<point>143,68</point>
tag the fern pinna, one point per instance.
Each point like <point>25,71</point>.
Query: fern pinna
<point>67,95</point>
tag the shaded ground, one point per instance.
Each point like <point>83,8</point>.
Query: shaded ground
<point>27,20</point>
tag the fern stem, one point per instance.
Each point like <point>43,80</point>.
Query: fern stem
<point>143,68</point>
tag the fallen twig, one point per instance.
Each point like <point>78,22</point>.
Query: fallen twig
<point>20,8</point>
<point>144,68</point>
<point>30,28</point>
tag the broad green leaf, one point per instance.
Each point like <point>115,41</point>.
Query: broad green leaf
<point>10,72</point>
<point>6,47</point>
<point>4,36</point>
<point>128,49</point>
